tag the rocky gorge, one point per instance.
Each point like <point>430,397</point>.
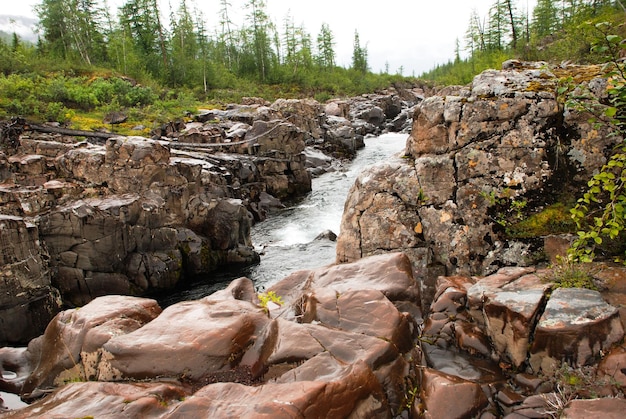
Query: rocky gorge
<point>430,301</point>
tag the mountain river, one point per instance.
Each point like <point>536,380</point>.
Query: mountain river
<point>287,240</point>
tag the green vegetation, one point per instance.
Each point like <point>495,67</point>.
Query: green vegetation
<point>88,62</point>
<point>600,214</point>
<point>555,219</point>
<point>267,297</point>
<point>568,274</point>
<point>554,31</point>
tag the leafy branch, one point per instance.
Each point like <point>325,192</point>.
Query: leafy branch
<point>601,213</point>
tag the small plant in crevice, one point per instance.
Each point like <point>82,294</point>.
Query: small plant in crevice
<point>268,297</point>
<point>569,274</point>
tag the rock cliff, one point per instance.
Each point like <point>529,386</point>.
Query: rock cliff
<point>503,144</point>
<point>137,216</point>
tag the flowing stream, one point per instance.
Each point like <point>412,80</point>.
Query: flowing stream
<point>287,240</point>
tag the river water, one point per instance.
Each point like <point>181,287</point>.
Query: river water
<point>287,239</point>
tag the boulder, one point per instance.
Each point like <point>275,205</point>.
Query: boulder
<point>102,399</point>
<point>320,352</point>
<point>608,408</point>
<point>437,390</point>
<point>70,348</point>
<point>344,391</point>
<point>303,113</point>
<point>202,337</point>
<point>510,314</point>
<point>576,327</point>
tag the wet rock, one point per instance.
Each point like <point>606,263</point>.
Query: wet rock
<point>354,391</point>
<point>576,326</point>
<point>69,350</point>
<point>202,337</point>
<point>390,274</point>
<point>317,162</point>
<point>606,408</point>
<point>98,399</point>
<point>326,235</point>
<point>321,352</point>
<point>438,389</point>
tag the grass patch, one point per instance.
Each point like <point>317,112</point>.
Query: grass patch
<point>568,274</point>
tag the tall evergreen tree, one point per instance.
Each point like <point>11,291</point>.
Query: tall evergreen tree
<point>72,29</point>
<point>359,55</point>
<point>260,37</point>
<point>141,23</point>
<point>325,47</point>
<point>545,20</point>
<point>184,47</point>
<point>498,28</point>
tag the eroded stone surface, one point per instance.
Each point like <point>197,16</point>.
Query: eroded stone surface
<point>447,396</point>
<point>330,359</point>
<point>472,154</point>
<point>576,326</point>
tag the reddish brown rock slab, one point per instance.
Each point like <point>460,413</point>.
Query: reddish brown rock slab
<point>510,318</point>
<point>239,289</point>
<point>613,280</point>
<point>447,396</point>
<point>576,326</point>
<point>106,400</point>
<point>613,366</point>
<point>608,408</point>
<point>361,311</point>
<point>68,349</point>
<point>190,340</point>
<point>484,288</point>
<point>390,273</point>
<point>288,342</point>
<point>355,394</point>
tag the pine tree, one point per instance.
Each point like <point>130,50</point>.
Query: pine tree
<point>325,47</point>
<point>260,37</point>
<point>359,55</point>
<point>72,29</point>
<point>545,20</point>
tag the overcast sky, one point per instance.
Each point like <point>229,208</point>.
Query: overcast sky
<point>412,34</point>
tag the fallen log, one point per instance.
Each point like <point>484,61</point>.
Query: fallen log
<point>73,132</point>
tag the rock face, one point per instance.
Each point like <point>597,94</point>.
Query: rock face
<point>135,216</point>
<point>471,154</point>
<point>317,355</point>
<point>537,336</point>
<point>344,341</point>
<point>26,308</point>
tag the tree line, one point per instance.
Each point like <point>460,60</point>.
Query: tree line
<point>553,30</point>
<point>181,50</point>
